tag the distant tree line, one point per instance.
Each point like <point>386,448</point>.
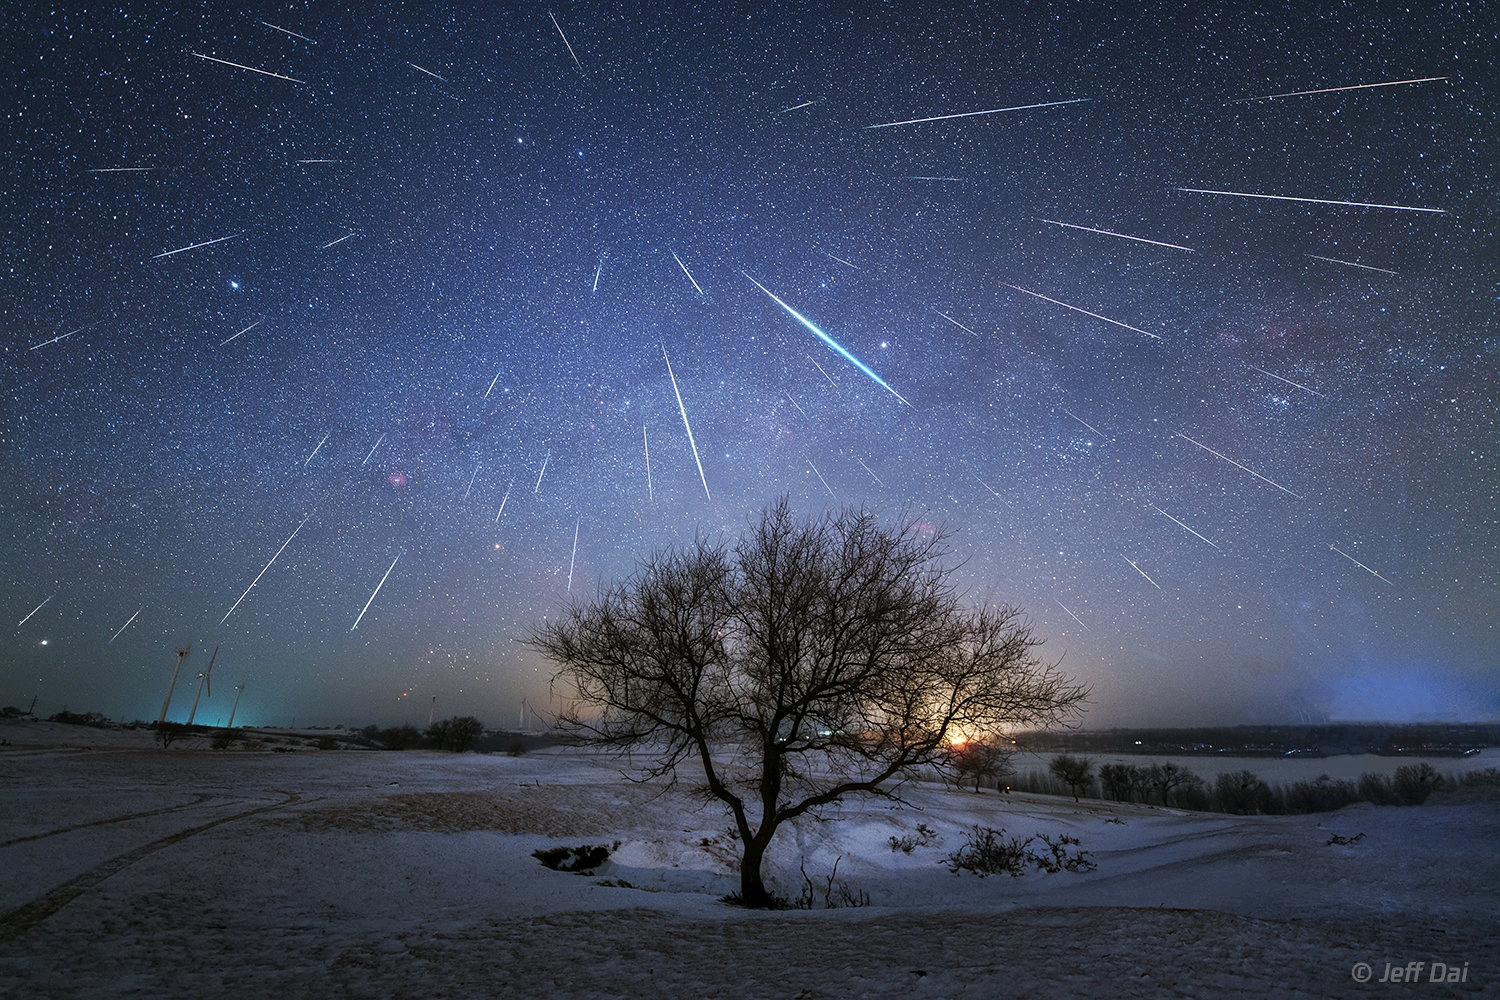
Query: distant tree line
<point>1240,792</point>
<point>96,719</point>
<point>456,735</point>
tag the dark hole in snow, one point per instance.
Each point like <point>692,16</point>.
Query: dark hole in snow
<point>580,860</point>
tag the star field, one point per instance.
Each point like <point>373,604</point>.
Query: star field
<point>376,303</point>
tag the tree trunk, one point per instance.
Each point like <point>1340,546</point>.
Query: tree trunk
<point>752,887</point>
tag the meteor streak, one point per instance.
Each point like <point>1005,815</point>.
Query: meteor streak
<point>841,260</point>
<point>247,329</point>
<point>1334,90</point>
<point>195,246</point>
<point>1138,570</point>
<point>646,443</point>
<point>1237,465</point>
<point>263,571</point>
<point>1350,263</point>
<point>539,475</point>
<point>1358,563</point>
<point>122,170</point>
<point>63,336</point>
<point>971,114</point>
<point>54,340</point>
<point>796,107</point>
<point>492,383</point>
<point>315,450</point>
<point>125,626</point>
<point>335,243</point>
<point>372,448</point>
<point>1179,524</point>
<point>954,322</point>
<point>825,374</point>
<point>1084,311</point>
<point>827,340</point>
<point>286,32</point>
<point>471,481</point>
<point>262,72</point>
<point>870,471</point>
<point>1314,201</point>
<point>372,596</point>
<point>567,43</point>
<point>687,272</point>
<point>429,73</point>
<point>1071,614</point>
<point>502,501</point>
<point>574,559</point>
<point>34,610</point>
<point>1087,424</point>
<point>683,410</point>
<point>821,479</point>
<point>1106,232</point>
<point>1288,381</point>
<point>597,270</point>
<point>796,404</point>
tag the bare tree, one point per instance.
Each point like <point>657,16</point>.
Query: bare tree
<point>1241,792</point>
<point>456,735</point>
<point>810,662</point>
<point>1075,772</point>
<point>1118,781</point>
<point>1167,777</point>
<point>981,760</point>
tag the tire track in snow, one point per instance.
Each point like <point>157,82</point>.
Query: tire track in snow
<point>201,798</point>
<point>23,918</point>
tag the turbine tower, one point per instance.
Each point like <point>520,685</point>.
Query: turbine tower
<point>238,689</point>
<point>203,682</point>
<point>181,655</point>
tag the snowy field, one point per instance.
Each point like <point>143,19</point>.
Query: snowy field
<point>132,871</point>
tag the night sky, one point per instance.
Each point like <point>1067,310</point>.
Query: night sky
<point>310,321</point>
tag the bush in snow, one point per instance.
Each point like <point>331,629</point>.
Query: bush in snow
<point>1059,858</point>
<point>907,843</point>
<point>988,851</point>
<point>836,895</point>
<point>1414,782</point>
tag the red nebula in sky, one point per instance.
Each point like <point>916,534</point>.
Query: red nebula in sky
<point>397,478</point>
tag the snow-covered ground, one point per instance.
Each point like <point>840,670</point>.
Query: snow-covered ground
<point>132,871</point>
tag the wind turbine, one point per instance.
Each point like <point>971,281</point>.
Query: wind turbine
<point>238,688</point>
<point>181,655</point>
<point>203,683</point>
